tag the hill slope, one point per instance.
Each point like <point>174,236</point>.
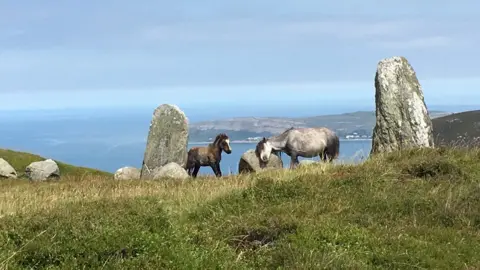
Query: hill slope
<point>411,209</point>
<point>451,129</point>
<point>20,160</point>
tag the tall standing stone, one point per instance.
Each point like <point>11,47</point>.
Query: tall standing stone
<point>167,139</point>
<point>402,119</point>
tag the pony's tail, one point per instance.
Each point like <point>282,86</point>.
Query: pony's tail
<point>336,146</point>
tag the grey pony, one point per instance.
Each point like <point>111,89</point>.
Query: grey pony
<point>304,142</point>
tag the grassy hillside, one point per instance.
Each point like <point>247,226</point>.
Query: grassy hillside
<point>411,209</point>
<point>463,127</point>
<point>20,160</point>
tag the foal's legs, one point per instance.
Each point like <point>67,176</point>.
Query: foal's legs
<point>195,171</point>
<point>216,169</point>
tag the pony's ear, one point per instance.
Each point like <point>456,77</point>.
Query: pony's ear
<point>264,139</point>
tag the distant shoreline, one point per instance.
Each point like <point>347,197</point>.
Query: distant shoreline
<point>245,141</point>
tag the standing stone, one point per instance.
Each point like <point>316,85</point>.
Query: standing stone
<point>167,139</point>
<point>42,170</point>
<point>6,170</point>
<point>402,119</point>
<point>249,162</point>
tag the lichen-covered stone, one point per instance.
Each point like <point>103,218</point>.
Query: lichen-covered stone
<point>43,170</point>
<point>402,119</point>
<point>127,173</point>
<point>249,163</point>
<point>6,170</point>
<point>167,139</point>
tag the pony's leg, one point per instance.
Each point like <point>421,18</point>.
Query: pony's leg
<point>293,161</point>
<point>216,169</point>
<point>327,159</point>
<point>189,169</point>
<point>195,170</point>
<point>323,156</point>
<point>219,170</point>
<point>329,156</point>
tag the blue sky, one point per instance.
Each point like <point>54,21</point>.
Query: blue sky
<point>210,54</point>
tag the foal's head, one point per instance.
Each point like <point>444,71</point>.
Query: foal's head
<point>223,142</point>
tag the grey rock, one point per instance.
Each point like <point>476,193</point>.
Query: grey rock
<point>42,170</point>
<point>171,170</point>
<point>127,173</point>
<point>249,163</point>
<point>167,139</point>
<point>6,170</point>
<point>402,120</point>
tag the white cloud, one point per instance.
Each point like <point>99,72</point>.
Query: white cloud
<point>437,91</point>
<point>351,29</point>
<point>395,34</point>
<point>421,43</point>
<point>249,29</point>
<point>86,60</point>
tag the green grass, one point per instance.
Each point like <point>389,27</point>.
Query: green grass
<point>20,161</point>
<point>406,210</point>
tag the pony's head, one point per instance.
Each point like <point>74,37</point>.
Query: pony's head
<point>263,151</point>
<point>223,141</point>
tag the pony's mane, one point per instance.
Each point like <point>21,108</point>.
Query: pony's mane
<point>220,137</point>
<point>282,135</point>
<point>287,130</point>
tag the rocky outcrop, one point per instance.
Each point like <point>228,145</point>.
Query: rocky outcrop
<point>42,170</point>
<point>171,170</point>
<point>167,139</point>
<point>402,120</point>
<point>6,170</point>
<point>249,163</point>
<point>127,173</point>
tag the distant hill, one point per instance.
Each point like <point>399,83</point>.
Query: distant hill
<point>20,160</point>
<point>451,129</point>
<point>360,122</point>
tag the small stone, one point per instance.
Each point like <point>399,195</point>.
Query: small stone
<point>249,162</point>
<point>304,162</point>
<point>127,173</point>
<point>171,170</point>
<point>6,170</point>
<point>42,170</point>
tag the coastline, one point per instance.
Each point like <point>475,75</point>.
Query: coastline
<point>246,141</point>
